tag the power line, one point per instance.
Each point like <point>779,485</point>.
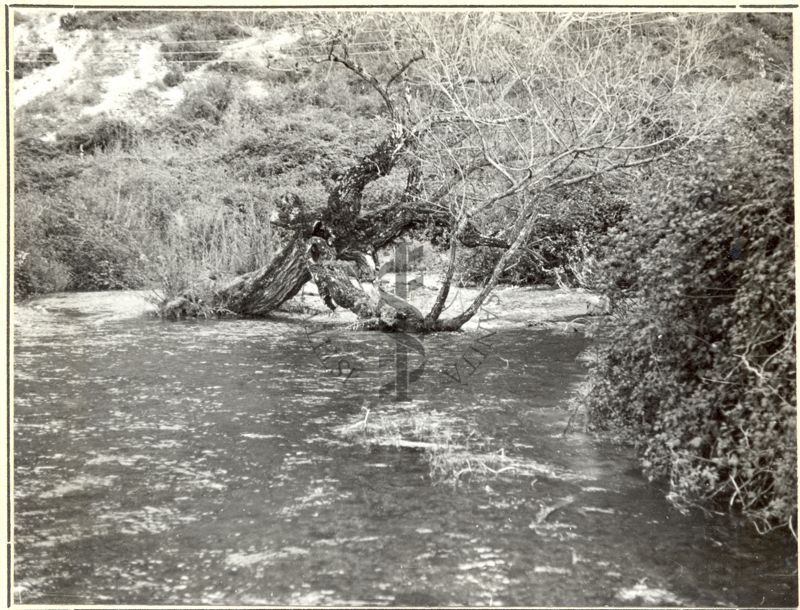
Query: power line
<point>134,53</point>
<point>29,57</point>
<point>618,25</point>
<point>286,55</point>
<point>200,52</point>
<point>349,44</point>
<point>212,40</point>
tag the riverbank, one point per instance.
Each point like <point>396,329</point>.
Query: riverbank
<point>507,306</point>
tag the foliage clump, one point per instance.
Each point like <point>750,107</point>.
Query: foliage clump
<point>101,134</point>
<point>61,247</point>
<point>173,78</point>
<point>42,166</point>
<point>105,20</point>
<point>701,367</point>
<point>207,101</point>
<point>563,244</point>
<point>755,46</point>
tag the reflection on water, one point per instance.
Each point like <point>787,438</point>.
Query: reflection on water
<point>197,462</point>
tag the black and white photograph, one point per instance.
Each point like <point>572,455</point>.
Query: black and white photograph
<point>400,306</point>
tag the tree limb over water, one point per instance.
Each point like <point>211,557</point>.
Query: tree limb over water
<point>489,114</point>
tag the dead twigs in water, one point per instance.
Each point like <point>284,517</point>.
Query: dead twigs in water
<point>546,511</point>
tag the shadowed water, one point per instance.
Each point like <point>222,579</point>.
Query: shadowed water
<point>198,462</point>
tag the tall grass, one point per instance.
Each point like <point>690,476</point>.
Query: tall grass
<point>185,201</point>
<point>136,217</point>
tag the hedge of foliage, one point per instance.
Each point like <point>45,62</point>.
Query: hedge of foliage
<point>564,243</point>
<point>701,364</point>
<point>65,242</point>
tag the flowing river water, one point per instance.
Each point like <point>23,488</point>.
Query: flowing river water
<point>203,462</point>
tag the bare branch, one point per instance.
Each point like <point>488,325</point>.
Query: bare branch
<point>358,69</point>
<point>403,68</point>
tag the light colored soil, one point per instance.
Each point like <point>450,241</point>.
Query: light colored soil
<point>123,70</point>
<point>67,46</point>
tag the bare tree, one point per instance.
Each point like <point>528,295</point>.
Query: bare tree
<point>488,113</point>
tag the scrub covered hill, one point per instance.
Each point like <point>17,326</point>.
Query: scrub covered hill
<point>158,148</point>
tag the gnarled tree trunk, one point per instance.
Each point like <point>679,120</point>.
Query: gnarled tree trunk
<point>378,311</point>
<point>351,238</point>
<point>258,292</point>
<point>261,291</point>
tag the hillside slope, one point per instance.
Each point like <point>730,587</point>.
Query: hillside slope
<point>151,148</point>
<point>129,72</point>
<point>158,147</point>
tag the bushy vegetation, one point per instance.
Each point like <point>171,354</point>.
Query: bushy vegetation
<point>755,45</point>
<point>564,244</point>
<point>312,123</point>
<point>187,199</point>
<point>132,220</point>
<point>218,23</point>
<point>105,20</point>
<point>65,244</point>
<point>100,134</point>
<point>701,365</point>
<point>206,101</point>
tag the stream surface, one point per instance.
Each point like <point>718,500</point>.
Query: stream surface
<point>200,463</point>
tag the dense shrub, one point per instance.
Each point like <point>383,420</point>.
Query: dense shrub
<point>754,45</point>
<point>105,20</point>
<point>701,363</point>
<point>105,259</point>
<point>36,273</point>
<point>563,245</point>
<point>174,77</point>
<point>191,25</point>
<point>42,166</point>
<point>129,216</point>
<point>100,134</point>
<point>207,101</point>
<point>67,244</point>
